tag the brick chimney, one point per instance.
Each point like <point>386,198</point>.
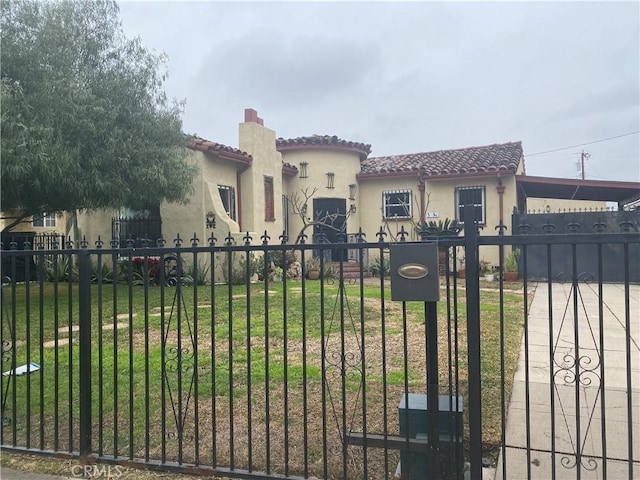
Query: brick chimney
<point>251,116</point>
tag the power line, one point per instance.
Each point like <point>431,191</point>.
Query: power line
<point>583,144</point>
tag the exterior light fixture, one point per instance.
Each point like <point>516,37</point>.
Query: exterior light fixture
<point>352,208</point>
<point>330,179</point>
<point>211,219</point>
<point>353,188</point>
<point>303,169</point>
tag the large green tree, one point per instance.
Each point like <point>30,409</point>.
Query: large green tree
<point>86,123</point>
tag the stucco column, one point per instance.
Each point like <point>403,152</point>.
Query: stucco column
<point>500,190</point>
<point>422,184</point>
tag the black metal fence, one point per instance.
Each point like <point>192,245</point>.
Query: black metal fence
<point>218,359</point>
<point>580,223</point>
<point>28,241</point>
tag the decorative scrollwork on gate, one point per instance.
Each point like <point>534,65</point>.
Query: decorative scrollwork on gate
<point>179,367</point>
<point>342,348</point>
<point>572,368</point>
<point>7,354</point>
<point>587,373</point>
<point>588,463</point>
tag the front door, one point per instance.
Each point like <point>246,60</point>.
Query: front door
<point>331,217</point>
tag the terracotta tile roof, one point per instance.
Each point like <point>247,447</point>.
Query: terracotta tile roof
<point>323,141</point>
<point>289,169</point>
<point>220,150</point>
<point>503,157</point>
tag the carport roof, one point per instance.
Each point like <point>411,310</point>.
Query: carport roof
<point>575,189</point>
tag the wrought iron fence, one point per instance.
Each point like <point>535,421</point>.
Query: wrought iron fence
<point>136,232</point>
<point>207,358</point>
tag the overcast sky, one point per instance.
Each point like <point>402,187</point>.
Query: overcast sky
<point>411,77</point>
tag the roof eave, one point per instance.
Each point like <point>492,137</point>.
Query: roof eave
<point>418,174</point>
<point>362,154</point>
<point>211,148</point>
<point>376,176</point>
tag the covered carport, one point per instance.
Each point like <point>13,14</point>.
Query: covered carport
<point>622,193</point>
<point>583,258</point>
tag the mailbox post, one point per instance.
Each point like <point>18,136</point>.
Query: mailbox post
<point>414,277</point>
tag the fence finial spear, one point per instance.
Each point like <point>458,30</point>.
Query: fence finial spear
<point>402,233</point>
<point>194,240</point>
<point>178,241</point>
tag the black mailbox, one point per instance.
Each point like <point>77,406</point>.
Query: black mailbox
<point>414,272</point>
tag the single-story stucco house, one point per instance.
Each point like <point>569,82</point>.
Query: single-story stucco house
<point>282,185</point>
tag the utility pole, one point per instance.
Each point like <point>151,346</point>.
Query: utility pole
<point>583,156</point>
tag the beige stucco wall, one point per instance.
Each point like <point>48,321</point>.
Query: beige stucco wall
<point>260,142</point>
<point>371,213</point>
<point>94,224</point>
<point>189,218</point>
<point>344,165</point>
<point>558,205</point>
<point>440,204</point>
<point>441,199</point>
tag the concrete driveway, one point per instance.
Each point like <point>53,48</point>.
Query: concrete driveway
<point>583,403</point>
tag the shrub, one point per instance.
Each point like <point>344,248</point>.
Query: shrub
<point>275,258</point>
<point>58,268</point>
<point>379,266</point>
<point>511,261</point>
<point>198,273</point>
<point>104,273</point>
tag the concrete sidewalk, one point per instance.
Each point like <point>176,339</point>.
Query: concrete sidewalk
<point>556,394</point>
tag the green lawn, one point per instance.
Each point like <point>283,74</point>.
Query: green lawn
<point>226,366</point>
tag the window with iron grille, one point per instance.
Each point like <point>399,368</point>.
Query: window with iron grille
<point>44,220</point>
<point>137,228</point>
<point>471,196</point>
<point>396,203</point>
<point>269,207</point>
<point>228,197</point>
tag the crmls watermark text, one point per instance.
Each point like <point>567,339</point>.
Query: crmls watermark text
<point>96,471</point>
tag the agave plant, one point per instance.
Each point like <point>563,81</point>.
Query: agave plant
<point>441,228</point>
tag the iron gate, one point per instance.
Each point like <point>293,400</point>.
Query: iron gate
<point>176,357</point>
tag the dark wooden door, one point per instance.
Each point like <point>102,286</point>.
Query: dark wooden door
<point>332,213</point>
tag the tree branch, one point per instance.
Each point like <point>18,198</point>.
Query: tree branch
<point>300,207</point>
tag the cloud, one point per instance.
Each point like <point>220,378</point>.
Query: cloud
<point>408,76</point>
